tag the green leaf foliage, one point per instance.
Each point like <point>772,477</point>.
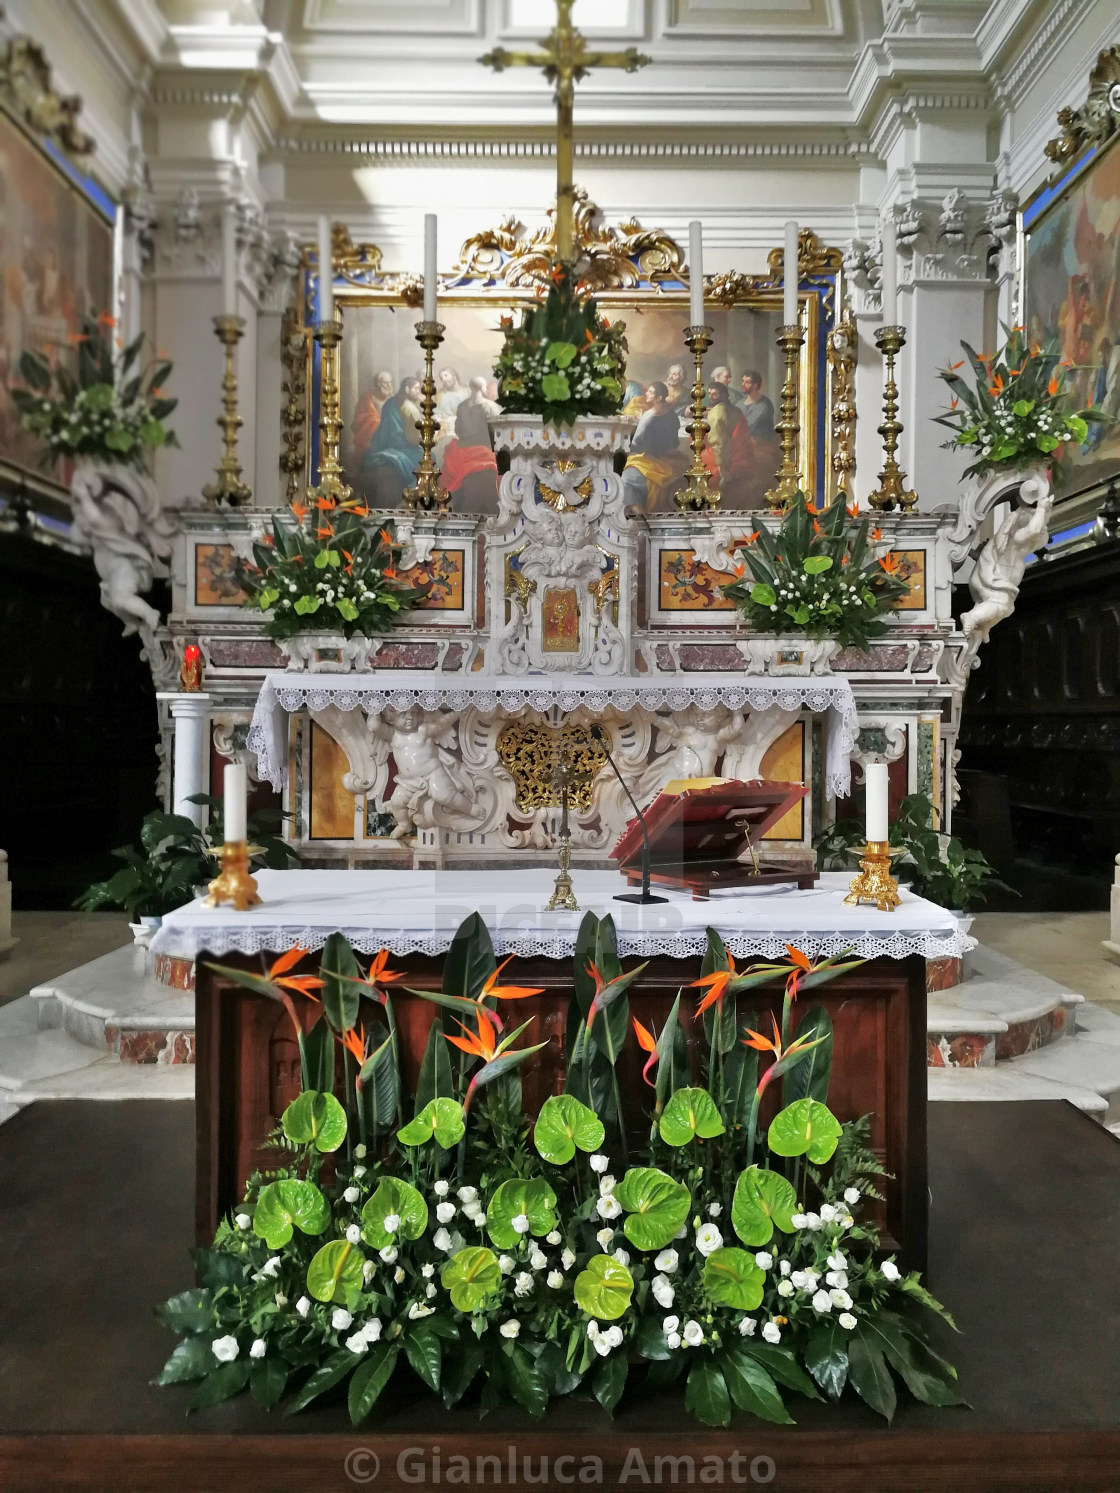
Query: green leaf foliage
<point>752,1387</point>
<point>563,1125</point>
<point>655,1205</point>
<point>436,1080</point>
<point>341,992</point>
<point>440,1120</point>
<point>192,1359</point>
<point>393,1196</point>
<point>286,1205</point>
<point>869,1375</point>
<point>603,1288</point>
<point>225,1381</point>
<point>534,1198</point>
<point>190,1311</point>
<point>316,1120</point>
<point>690,1114</point>
<point>470,1276</point>
<point>325,1377</point>
<point>370,1378</point>
<point>706,1394</point>
<point>804,1128</point>
<point>730,1277</point>
<point>809,1078</point>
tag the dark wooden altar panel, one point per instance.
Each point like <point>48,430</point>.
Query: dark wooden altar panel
<point>248,1067</point>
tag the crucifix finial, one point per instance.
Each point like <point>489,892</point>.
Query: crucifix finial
<point>565,59</point>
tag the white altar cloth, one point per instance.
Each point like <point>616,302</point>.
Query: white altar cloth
<point>285,692</point>
<point>418,912</point>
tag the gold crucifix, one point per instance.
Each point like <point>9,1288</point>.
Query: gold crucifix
<point>565,59</point>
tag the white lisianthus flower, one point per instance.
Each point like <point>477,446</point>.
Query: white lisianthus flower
<point>747,1327</point>
<point>851,1196</point>
<point>359,1171</point>
<point>840,1299</point>
<point>427,1271</point>
<point>360,1151</point>
<point>813,1221</point>
<point>785,1288</point>
<point>430,1290</point>
<point>822,1302</point>
<point>351,1195</point>
<point>389,1254</point>
<point>783,1267</point>
<point>600,1163</point>
<point>243,1220</point>
<point>714,1210</point>
<point>667,1261</point>
<point>441,1188</point>
<point>341,1319</point>
<point>799,1278</point>
<point>567,1259</point>
<point>846,1320</point>
<point>271,1267</point>
<point>811,1279</point>
<point>391,1223</point>
<point>890,1270</point>
<point>663,1290</point>
<point>281,1299</point>
<point>442,1240</point>
<point>670,1324</point>
<point>828,1213</point>
<point>467,1194</point>
<point>372,1330</point>
<point>398,1275</point>
<point>445,1212</point>
<point>592,1331</point>
<point>523,1284</point>
<point>837,1261</point>
<point>622,1256</point>
<point>673,1340</point>
<point>847,1221</point>
<point>538,1260</point>
<point>693,1334</point>
<point>763,1260</point>
<point>353,1234</point>
<point>553,1238</point>
<point>520,1223</point>
<point>554,1280</point>
<point>772,1332</point>
<point>357,1343</point>
<point>506,1263</point>
<point>259,1348</point>
<point>799,1220</point>
<point>604,1237</point>
<point>612,1337</point>
<point>837,1278</point>
<point>303,1306</point>
<point>224,1349</point>
<point>608,1207</point>
<point>418,1310</point>
<point>708,1238</point>
<point>607,1185</point>
<point>368,1271</point>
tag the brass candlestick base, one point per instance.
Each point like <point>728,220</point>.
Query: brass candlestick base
<point>892,491</point>
<point>328,334</point>
<point>233,882</point>
<point>875,882</point>
<point>229,488</point>
<point>429,491</point>
<point>563,894</point>
<point>698,494</point>
<point>790,340</point>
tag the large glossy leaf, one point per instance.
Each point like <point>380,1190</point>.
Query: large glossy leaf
<point>227,1380</point>
<point>588,1076</point>
<point>706,1394</point>
<point>192,1359</point>
<point>731,1278</point>
<point>394,1196</point>
<point>672,1057</point>
<point>719,1019</point>
<point>609,1380</point>
<point>435,1081</point>
<point>740,1078</point>
<point>826,1357</point>
<point>926,1375</point>
<point>440,1120</point>
<point>533,1197</point>
<point>689,1115</point>
<point>804,1128</point>
<point>655,1205</point>
<point>470,959</point>
<point>335,1272</point>
<point>371,1377</point>
<point>341,994</point>
<point>587,938</point>
<point>603,1288</point>
<point>287,1204</point>
<point>752,1388</point>
<point>380,1083</point>
<point>762,1199</point>
<point>808,1079</point>
<point>523,1379</point>
<point>470,1276</point>
<point>424,1351</point>
<point>563,1125</point>
<point>268,1378</point>
<point>869,1375</point>
<point>316,1053</point>
<point>190,1311</point>
<point>315,1119</point>
<point>782,1365</point>
<point>325,1377</point>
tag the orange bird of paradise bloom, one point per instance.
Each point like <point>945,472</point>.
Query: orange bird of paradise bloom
<point>715,985</point>
<point>355,1043</point>
<point>278,974</point>
<point>385,537</point>
<point>852,510</point>
<point>764,1044</point>
<point>506,992</point>
<point>890,563</point>
<point>482,1045</point>
<point>648,1043</point>
<point>300,511</point>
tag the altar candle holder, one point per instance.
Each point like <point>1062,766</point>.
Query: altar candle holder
<point>229,489</point>
<point>328,335</point>
<point>563,893</point>
<point>875,882</point>
<point>892,491</point>
<point>698,494</point>
<point>233,882</point>
<point>791,338</point>
<point>428,492</point>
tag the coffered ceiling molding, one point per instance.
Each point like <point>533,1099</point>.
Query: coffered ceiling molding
<point>441,17</point>
<point>770,17</point>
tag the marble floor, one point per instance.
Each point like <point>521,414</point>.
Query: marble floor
<point>1066,946</point>
<point>50,943</point>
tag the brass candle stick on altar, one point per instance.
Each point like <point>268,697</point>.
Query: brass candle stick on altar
<point>875,882</point>
<point>328,335</point>
<point>563,893</point>
<point>429,491</point>
<point>790,339</point>
<point>233,882</point>
<point>698,493</point>
<point>892,491</point>
<point>229,488</point>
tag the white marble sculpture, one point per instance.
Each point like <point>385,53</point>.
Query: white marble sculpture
<point>995,581</point>
<point>421,743</point>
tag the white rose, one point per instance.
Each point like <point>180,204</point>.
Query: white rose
<point>763,1260</point>
<point>604,1237</point>
<point>693,1334</point>
<point>607,1185</point>
<point>851,1195</point>
<point>341,1319</point>
<point>608,1207</point>
<point>520,1223</point>
<point>553,1238</point>
<point>303,1306</point>
<point>445,1212</point>
<point>841,1299</point>
<point>359,1171</point>
<point>359,1151</point>
<point>747,1326</point>
<point>391,1223</point>
<point>613,1337</point>
<point>523,1284</point>
<point>785,1288</point>
<point>506,1263</point>
<point>600,1163</point>
<point>351,1195</point>
<point>538,1260</point>
<point>353,1234</point>
<point>673,1340</point>
<point>510,1328</point>
<point>846,1320</point>
<point>714,1210</point>
<point>663,1291</point>
<point>357,1343</point>
<point>890,1270</point>
<point>837,1261</point>
<point>389,1254</point>
<point>468,1194</point>
<point>441,1188</point>
<point>259,1348</point>
<point>783,1267</point>
<point>822,1302</point>
<point>442,1240</point>
<point>567,1259</point>
<point>772,1332</point>
<point>708,1239</point>
<point>555,1280</point>
<point>243,1220</point>
<point>667,1261</point>
<point>670,1324</point>
<point>622,1256</point>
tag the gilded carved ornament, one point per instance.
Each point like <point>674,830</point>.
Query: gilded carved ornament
<point>1098,119</point>
<point>27,92</point>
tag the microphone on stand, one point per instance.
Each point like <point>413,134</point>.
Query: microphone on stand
<point>645,895</point>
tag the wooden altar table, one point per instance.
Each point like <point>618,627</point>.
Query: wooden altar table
<point>248,1063</point>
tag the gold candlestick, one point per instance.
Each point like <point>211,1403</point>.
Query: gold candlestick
<point>563,893</point>
<point>892,490</point>
<point>429,491</point>
<point>698,494</point>
<point>229,488</point>
<point>790,340</point>
<point>328,334</point>
<point>233,882</point>
<point>875,882</point>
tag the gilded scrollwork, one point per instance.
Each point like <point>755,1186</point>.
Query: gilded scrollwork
<point>26,90</point>
<point>1098,119</point>
<point>843,345</point>
<point>294,347</point>
<point>530,751</point>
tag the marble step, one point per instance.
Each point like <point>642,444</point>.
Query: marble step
<point>1006,1082</point>
<point>1004,1011</point>
<point>114,1004</point>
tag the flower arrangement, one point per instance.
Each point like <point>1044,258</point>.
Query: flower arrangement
<point>533,1260</point>
<point>111,410</point>
<point>818,574</point>
<point>1017,412</point>
<point>325,573</point>
<point>564,360</point>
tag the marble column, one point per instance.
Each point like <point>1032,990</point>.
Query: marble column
<point>191,714</point>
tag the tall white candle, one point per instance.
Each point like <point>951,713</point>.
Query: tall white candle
<point>890,274</point>
<point>326,272</point>
<point>789,276</point>
<point>696,274</point>
<point>875,778</point>
<point>431,273</point>
<point>235,794</point>
<point>229,262</point>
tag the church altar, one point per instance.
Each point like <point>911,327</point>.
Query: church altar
<point>248,1062</point>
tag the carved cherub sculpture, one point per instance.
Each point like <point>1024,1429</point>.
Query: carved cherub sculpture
<point>697,740</point>
<point>1000,565</point>
<point>428,774</point>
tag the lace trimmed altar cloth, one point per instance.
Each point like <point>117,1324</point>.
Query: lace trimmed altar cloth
<point>283,692</point>
<point>417,912</point>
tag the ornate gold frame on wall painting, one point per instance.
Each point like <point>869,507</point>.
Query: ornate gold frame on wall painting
<point>627,265</point>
